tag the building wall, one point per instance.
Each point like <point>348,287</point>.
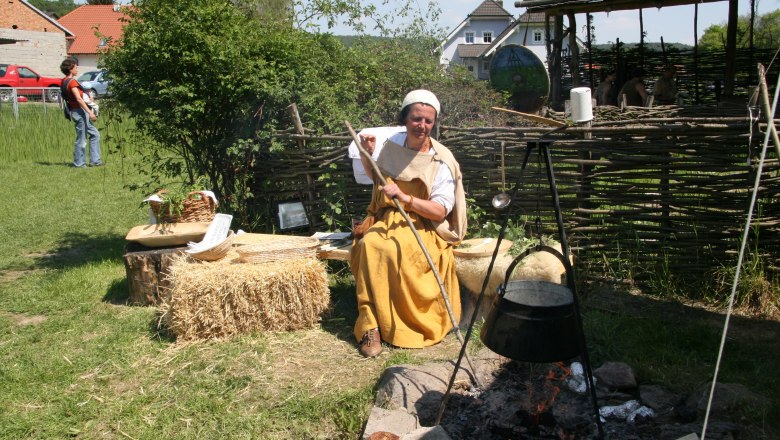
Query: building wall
<point>482,26</point>
<point>524,35</point>
<point>16,15</point>
<point>41,51</point>
<point>449,52</point>
<point>87,61</point>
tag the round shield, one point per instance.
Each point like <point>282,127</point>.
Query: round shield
<point>517,70</point>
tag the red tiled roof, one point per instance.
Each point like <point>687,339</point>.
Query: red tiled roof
<point>85,20</point>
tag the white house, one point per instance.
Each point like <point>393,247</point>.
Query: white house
<point>488,28</point>
<point>474,35</point>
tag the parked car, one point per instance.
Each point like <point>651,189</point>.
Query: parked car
<point>95,83</point>
<point>14,75</point>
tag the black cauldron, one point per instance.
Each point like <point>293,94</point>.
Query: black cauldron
<point>534,321</point>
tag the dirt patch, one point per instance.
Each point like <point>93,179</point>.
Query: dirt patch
<point>298,359</point>
<point>21,319</point>
<point>9,276</point>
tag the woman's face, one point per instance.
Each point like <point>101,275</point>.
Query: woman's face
<point>419,122</point>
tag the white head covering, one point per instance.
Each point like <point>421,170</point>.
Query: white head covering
<point>422,96</point>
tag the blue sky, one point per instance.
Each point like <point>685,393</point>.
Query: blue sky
<point>674,24</point>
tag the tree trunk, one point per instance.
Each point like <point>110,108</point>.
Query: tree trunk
<point>147,270</point>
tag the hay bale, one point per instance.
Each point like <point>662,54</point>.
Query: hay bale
<point>226,297</point>
<point>538,266</point>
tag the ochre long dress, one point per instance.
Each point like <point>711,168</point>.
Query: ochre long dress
<point>396,288</point>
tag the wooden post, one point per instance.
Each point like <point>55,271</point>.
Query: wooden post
<point>751,37</point>
<point>585,169</point>
<point>147,272</point>
<point>589,21</point>
<point>641,39</point>
<point>574,51</point>
<point>731,49</point>
<point>556,68</point>
<point>696,52</point>
<point>302,145</point>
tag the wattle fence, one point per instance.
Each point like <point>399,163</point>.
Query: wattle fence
<point>656,189</point>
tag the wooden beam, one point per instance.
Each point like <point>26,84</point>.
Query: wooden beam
<point>555,7</point>
<point>731,48</point>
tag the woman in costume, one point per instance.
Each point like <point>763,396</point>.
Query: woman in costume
<point>399,300</point>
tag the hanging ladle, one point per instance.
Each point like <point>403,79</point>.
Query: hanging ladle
<point>500,201</point>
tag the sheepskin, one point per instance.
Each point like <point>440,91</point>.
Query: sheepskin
<point>538,266</point>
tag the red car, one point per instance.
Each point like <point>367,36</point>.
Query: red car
<point>13,75</point>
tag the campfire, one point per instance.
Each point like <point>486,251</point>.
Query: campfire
<point>550,401</point>
<point>535,401</point>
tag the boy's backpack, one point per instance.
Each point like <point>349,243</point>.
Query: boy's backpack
<point>63,101</point>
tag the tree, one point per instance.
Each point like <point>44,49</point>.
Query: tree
<point>406,18</point>
<point>209,81</point>
<point>766,33</point>
<point>100,2</point>
<point>54,8</point>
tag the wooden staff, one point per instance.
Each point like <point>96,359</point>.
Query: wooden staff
<point>398,205</point>
<point>535,118</point>
<point>767,109</point>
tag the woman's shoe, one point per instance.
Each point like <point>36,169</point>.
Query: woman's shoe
<point>371,344</point>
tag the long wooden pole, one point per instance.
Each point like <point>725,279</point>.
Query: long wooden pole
<point>378,175</point>
<point>767,108</point>
<point>535,118</point>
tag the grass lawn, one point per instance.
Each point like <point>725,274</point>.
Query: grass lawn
<point>77,362</point>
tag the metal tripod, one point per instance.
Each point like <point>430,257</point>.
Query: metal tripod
<point>544,150</point>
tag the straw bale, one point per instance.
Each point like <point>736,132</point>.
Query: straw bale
<point>538,266</point>
<point>219,299</point>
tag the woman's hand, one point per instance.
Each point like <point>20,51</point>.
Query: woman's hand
<point>423,207</point>
<point>392,190</point>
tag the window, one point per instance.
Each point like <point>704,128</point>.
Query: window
<point>102,42</point>
<point>487,37</point>
<point>26,73</point>
<point>470,68</point>
<point>486,66</point>
<point>537,36</point>
<point>469,37</point>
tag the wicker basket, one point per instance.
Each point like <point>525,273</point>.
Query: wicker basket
<point>197,207</point>
<point>218,251</point>
<point>284,248</point>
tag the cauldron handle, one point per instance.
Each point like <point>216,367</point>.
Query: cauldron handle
<point>566,264</point>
